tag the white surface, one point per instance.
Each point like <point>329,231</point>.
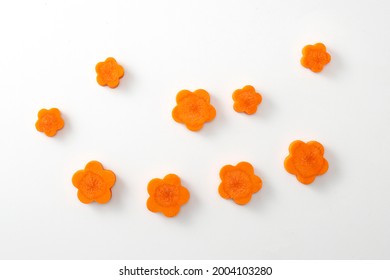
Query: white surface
<point>49,51</point>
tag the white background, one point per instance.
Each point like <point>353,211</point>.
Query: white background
<point>48,54</point>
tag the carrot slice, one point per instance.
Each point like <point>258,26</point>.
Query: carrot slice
<point>94,183</point>
<point>167,195</point>
<point>246,100</point>
<point>193,109</point>
<point>315,57</point>
<point>239,182</point>
<point>306,161</point>
<point>109,73</point>
<point>49,121</point>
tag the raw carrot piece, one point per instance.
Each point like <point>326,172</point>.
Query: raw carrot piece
<point>193,109</point>
<point>109,73</point>
<point>49,121</point>
<point>246,100</point>
<point>94,183</point>
<point>239,182</point>
<point>315,57</point>
<point>167,195</point>
<point>306,161</point>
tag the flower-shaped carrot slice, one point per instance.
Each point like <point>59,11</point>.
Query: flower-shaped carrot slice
<point>49,121</point>
<point>109,72</point>
<point>193,109</point>
<point>239,182</point>
<point>306,161</point>
<point>315,57</point>
<point>246,100</point>
<point>94,183</point>
<point>167,195</point>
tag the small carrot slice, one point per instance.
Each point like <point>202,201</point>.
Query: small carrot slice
<point>246,100</point>
<point>315,57</point>
<point>94,183</point>
<point>193,109</point>
<point>109,72</point>
<point>239,182</point>
<point>49,121</point>
<point>167,195</point>
<point>306,161</point>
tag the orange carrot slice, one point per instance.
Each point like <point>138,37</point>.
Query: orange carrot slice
<point>94,183</point>
<point>306,161</point>
<point>193,109</point>
<point>167,195</point>
<point>239,182</point>
<point>49,121</point>
<point>246,100</point>
<point>315,57</point>
<point>109,73</point>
